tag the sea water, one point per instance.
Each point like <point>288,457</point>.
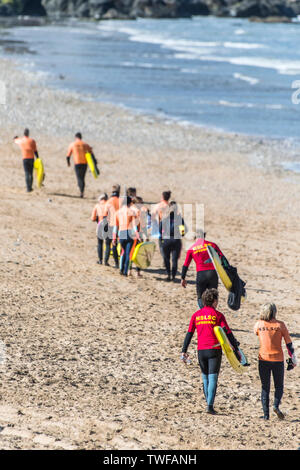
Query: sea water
<point>230,74</point>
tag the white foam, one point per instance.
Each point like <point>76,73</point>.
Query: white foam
<point>251,80</point>
<point>239,31</point>
<point>243,45</point>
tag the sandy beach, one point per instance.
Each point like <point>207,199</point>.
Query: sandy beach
<point>91,359</point>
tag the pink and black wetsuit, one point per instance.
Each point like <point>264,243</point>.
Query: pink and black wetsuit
<point>207,277</point>
<point>209,349</point>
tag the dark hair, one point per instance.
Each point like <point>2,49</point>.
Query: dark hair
<point>209,296</point>
<point>78,135</point>
<point>116,189</point>
<point>26,132</point>
<point>173,206</point>
<point>131,192</point>
<point>126,201</point>
<point>102,197</point>
<point>166,195</point>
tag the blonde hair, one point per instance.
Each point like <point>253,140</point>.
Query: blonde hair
<point>268,312</point>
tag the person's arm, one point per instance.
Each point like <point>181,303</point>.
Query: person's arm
<point>231,338</point>
<point>185,267</point>
<point>188,336</point>
<point>134,222</point>
<point>94,216</point>
<point>289,344</point>
<point>70,151</point>
<point>35,149</point>
<point>115,230</point>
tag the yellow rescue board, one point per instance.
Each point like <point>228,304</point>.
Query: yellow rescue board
<point>228,351</point>
<point>143,254</point>
<point>119,249</point>
<point>39,171</point>
<point>218,267</point>
<point>91,164</point>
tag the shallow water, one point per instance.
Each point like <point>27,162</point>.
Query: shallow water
<point>229,74</point>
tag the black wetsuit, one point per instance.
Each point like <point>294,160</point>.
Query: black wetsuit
<point>170,240</point>
<point>80,170</point>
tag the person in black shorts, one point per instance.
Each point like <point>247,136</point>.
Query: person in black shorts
<point>207,277</point>
<point>171,231</point>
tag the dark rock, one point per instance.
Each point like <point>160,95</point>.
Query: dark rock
<point>6,10</point>
<point>129,9</point>
<point>262,9</point>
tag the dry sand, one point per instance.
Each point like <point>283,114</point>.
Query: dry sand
<point>92,358</point>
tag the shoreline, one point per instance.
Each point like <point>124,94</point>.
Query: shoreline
<point>92,357</point>
<point>56,83</point>
<point>268,145</point>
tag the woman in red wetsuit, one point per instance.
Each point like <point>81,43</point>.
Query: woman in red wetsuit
<point>209,349</point>
<point>207,277</point>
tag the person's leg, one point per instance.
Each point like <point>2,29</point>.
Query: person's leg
<point>212,279</point>
<point>214,365</point>
<point>166,252</point>
<point>100,250</point>
<point>28,169</point>
<point>205,280</point>
<point>80,170</point>
<point>203,363</point>
<point>114,248</point>
<point>78,177</point>
<point>127,254</point>
<point>176,250</point>
<point>115,255</point>
<point>108,242</point>
<point>200,287</point>
<point>122,257</point>
<point>84,168</point>
<point>264,370</point>
<point>278,377</point>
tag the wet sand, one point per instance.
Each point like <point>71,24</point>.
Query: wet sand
<point>91,358</point>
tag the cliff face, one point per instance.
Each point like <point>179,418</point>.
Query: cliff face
<point>130,9</point>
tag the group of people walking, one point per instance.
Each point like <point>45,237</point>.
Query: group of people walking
<point>133,221</point>
<point>123,221</point>
<point>78,149</point>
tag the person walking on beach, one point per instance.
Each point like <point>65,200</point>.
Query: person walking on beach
<point>29,151</point>
<point>141,216</point>
<point>171,230</point>
<point>78,149</point>
<point>158,212</point>
<point>126,229</point>
<point>271,332</point>
<point>112,206</point>
<point>99,215</point>
<point>207,276</point>
<point>209,349</point>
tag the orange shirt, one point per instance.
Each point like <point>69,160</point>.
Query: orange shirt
<point>112,206</point>
<point>125,219</point>
<point>270,334</point>
<point>99,211</point>
<point>78,149</point>
<point>28,147</point>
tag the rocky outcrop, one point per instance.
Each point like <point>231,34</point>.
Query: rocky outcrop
<point>131,9</point>
<point>22,7</point>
